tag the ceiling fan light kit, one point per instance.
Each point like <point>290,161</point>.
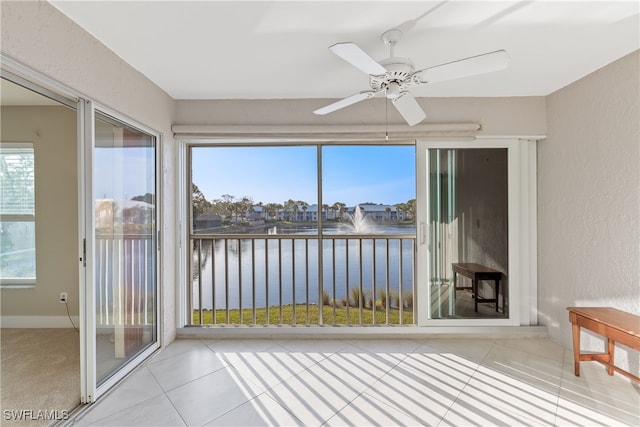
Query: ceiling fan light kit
<point>393,76</point>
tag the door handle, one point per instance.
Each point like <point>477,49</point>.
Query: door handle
<point>423,235</point>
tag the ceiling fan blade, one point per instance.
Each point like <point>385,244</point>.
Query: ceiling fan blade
<point>351,53</point>
<point>485,63</point>
<point>409,108</point>
<point>344,102</point>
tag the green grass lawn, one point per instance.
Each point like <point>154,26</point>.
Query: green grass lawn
<point>301,316</point>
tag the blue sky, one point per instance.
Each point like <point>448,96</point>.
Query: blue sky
<point>351,174</point>
<point>123,173</point>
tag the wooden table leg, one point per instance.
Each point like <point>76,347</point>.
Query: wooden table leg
<point>474,290</point>
<point>611,345</point>
<point>497,293</point>
<point>576,348</point>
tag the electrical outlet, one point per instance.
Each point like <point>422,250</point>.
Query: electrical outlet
<point>63,297</point>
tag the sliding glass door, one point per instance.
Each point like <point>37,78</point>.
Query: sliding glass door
<point>121,215</point>
<point>474,231</point>
<point>468,233</point>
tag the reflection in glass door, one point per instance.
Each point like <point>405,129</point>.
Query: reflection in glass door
<point>468,233</point>
<point>124,188</point>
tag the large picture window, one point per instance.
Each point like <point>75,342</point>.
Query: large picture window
<point>17,214</point>
<point>309,234</point>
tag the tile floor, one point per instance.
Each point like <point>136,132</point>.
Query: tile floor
<point>443,382</point>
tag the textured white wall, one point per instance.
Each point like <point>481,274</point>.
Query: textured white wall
<point>589,201</point>
<point>38,35</point>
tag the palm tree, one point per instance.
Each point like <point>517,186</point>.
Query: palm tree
<point>304,206</point>
<point>339,207</point>
<point>292,207</point>
<point>272,209</point>
<point>411,208</point>
<point>325,209</point>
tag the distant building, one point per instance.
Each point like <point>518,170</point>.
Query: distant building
<point>208,220</point>
<point>380,212</point>
<point>255,218</point>
<point>377,212</point>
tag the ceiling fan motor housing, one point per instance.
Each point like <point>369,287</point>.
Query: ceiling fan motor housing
<point>397,77</point>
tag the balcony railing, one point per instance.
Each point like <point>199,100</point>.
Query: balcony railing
<point>125,277</point>
<point>275,279</point>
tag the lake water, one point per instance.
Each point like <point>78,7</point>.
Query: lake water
<point>255,264</point>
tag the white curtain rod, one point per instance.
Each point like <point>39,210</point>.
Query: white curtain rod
<point>395,132</point>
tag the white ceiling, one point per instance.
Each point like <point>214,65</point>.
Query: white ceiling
<point>278,49</point>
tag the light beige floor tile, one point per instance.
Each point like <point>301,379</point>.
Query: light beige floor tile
<point>360,368</point>
<point>269,367</point>
<point>318,393</point>
<point>466,412</point>
<point>456,382</point>
<point>398,347</point>
<point>260,411</point>
<point>367,411</point>
<point>462,366</point>
<point>571,413</point>
<point>510,395</point>
<point>176,347</point>
<point>423,386</point>
<point>138,387</point>
<point>184,367</point>
<point>537,346</point>
<point>156,412</point>
<point>540,372</point>
<point>319,348</point>
<point>231,345</point>
<point>207,398</point>
<point>614,397</point>
<point>471,348</point>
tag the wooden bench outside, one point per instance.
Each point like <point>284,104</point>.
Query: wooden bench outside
<point>477,272</point>
<point>615,325</point>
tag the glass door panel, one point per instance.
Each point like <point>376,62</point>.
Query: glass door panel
<point>468,233</point>
<point>124,189</point>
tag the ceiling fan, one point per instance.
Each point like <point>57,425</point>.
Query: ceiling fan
<point>394,75</point>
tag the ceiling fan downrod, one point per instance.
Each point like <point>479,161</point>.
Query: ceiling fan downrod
<point>390,38</point>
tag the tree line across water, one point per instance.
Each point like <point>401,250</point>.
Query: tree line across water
<point>229,206</point>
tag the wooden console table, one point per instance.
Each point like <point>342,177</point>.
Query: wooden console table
<point>477,272</point>
<point>614,325</point>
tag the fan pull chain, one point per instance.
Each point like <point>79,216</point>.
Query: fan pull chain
<point>386,119</point>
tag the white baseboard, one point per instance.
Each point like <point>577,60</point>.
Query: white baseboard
<point>364,332</point>
<point>38,321</point>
